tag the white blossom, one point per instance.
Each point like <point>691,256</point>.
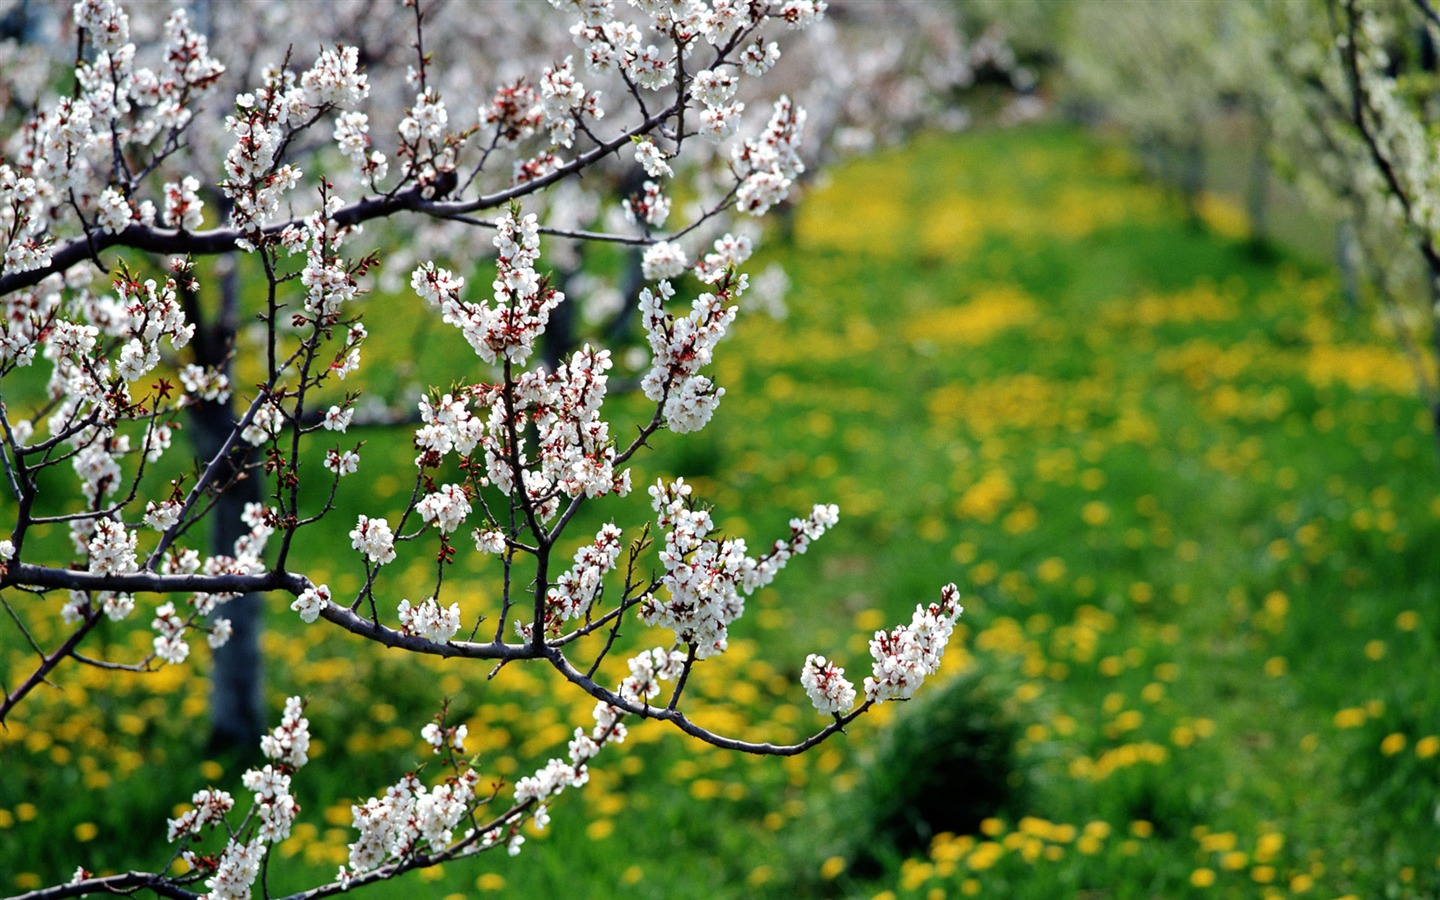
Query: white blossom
<point>490,540</point>
<point>311,602</point>
<point>446,507</point>
<point>664,259</point>
<point>115,213</point>
<point>337,419</point>
<point>182,205</point>
<point>651,159</point>
<point>825,684</point>
<point>430,620</point>
<point>907,654</point>
<point>289,742</point>
<point>239,866</point>
<point>342,462</point>
<point>374,538</point>
<point>112,548</point>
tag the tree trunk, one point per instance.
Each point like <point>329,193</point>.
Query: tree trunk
<point>1191,172</point>
<point>1257,193</point>
<point>237,715</point>
<point>1347,252</point>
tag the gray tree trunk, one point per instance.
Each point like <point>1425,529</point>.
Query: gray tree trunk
<point>237,714</point>
<point>1257,193</point>
<point>1190,167</point>
<point>1347,260</point>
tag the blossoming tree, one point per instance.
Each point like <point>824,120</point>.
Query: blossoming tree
<point>107,345</point>
<point>1342,94</point>
<point>1354,111</point>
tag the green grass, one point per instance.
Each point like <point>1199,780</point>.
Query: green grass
<point>1190,500</point>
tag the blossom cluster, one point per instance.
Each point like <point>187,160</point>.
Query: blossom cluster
<point>907,654</point>
<point>411,816</point>
<point>507,329</point>
<point>553,778</point>
<point>772,160</point>
<point>576,453</point>
<point>705,573</point>
<point>448,424</point>
<point>329,284</point>
<point>112,549</point>
<point>374,538</point>
<point>272,813</point>
<point>440,737</point>
<point>430,620</point>
<point>446,507</point>
<point>151,312</point>
<point>680,347</point>
<point>647,671</point>
<point>256,181</point>
<point>825,685</point>
<point>94,395</point>
<point>578,587</point>
<point>311,602</point>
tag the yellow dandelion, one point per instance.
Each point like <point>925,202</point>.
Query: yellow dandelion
<point>1268,846</point>
<point>491,881</point>
<point>914,873</point>
<point>1350,717</point>
<point>1095,513</point>
<point>1235,860</point>
<point>600,829</point>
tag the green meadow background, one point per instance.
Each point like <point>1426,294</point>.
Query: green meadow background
<point>1187,490</point>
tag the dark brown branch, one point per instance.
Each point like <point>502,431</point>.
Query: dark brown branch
<point>679,720</point>
<point>127,883</point>
<point>45,577</point>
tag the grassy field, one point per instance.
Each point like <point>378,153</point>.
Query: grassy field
<point>1190,498</point>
